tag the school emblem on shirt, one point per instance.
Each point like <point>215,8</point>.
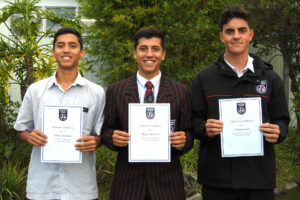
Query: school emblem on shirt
<point>241,108</point>
<point>150,113</point>
<point>63,114</point>
<point>261,88</point>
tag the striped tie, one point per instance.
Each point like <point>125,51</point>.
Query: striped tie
<point>149,97</point>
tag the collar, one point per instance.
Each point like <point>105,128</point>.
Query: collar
<point>249,65</point>
<point>143,81</point>
<point>78,81</point>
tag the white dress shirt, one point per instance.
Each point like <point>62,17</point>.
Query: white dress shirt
<point>61,180</point>
<point>249,66</point>
<point>141,81</point>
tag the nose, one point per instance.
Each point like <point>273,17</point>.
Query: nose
<point>236,34</point>
<point>66,48</point>
<point>149,53</point>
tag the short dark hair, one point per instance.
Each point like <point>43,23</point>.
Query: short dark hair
<point>66,30</point>
<point>149,32</point>
<point>234,11</point>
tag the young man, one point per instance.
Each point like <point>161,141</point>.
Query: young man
<point>65,88</point>
<point>147,180</point>
<point>237,74</point>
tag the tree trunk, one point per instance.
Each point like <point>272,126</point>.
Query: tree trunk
<point>29,75</point>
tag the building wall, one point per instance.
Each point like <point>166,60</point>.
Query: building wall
<point>277,62</point>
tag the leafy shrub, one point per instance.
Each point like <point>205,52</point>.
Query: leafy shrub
<point>288,159</point>
<point>12,181</point>
<point>105,164</point>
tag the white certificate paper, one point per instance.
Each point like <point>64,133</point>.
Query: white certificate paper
<point>63,126</point>
<point>149,128</point>
<point>241,135</point>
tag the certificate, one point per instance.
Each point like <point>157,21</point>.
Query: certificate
<point>62,125</point>
<point>149,128</point>
<point>241,135</point>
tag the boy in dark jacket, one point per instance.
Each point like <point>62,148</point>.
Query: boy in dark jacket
<point>237,74</point>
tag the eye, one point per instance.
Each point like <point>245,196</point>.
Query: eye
<point>242,30</point>
<point>156,48</point>
<point>59,45</point>
<point>143,48</point>
<point>229,31</point>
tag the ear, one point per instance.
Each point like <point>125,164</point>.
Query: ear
<point>221,37</point>
<point>134,54</point>
<point>163,55</point>
<point>53,51</point>
<point>82,53</point>
<point>251,34</point>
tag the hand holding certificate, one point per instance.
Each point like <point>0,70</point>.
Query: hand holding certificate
<point>241,135</point>
<point>149,128</point>
<point>62,125</point>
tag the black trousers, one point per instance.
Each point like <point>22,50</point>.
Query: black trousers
<point>211,193</point>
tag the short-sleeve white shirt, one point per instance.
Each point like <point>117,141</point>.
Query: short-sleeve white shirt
<point>60,180</point>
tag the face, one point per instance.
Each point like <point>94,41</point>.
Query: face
<point>67,51</point>
<point>149,53</point>
<point>236,36</point>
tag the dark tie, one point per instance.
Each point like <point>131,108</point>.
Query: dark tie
<point>149,97</point>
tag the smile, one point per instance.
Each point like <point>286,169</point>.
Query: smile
<point>66,58</point>
<point>149,61</point>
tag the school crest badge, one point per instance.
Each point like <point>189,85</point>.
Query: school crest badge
<point>241,108</point>
<point>150,113</point>
<point>63,114</point>
<point>262,87</point>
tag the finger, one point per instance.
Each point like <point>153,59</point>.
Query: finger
<point>177,142</point>
<point>272,138</point>
<point>86,149</point>
<point>85,138</point>
<point>180,137</point>
<point>214,121</point>
<point>213,133</point>
<point>268,125</point>
<point>86,143</point>
<point>120,144</point>
<point>37,141</point>
<point>270,131</point>
<point>121,133</point>
<point>177,134</point>
<point>213,129</point>
<point>39,133</point>
<point>214,125</point>
<point>120,138</point>
<point>177,145</point>
<point>89,146</point>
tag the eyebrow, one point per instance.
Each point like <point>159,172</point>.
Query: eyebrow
<point>143,45</point>
<point>61,42</point>
<point>239,28</point>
